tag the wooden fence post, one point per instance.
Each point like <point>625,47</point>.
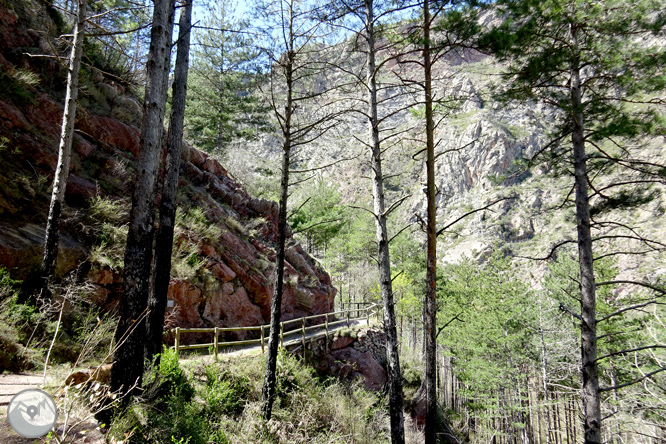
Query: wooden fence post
<point>303,333</point>
<point>347,318</point>
<point>282,334</point>
<point>177,339</point>
<point>262,339</point>
<point>367,316</point>
<point>215,343</point>
<point>326,322</point>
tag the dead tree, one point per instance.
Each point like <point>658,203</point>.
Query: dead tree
<point>52,236</point>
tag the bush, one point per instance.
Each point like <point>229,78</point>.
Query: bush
<point>13,356</point>
<point>168,414</point>
<point>224,393</point>
<point>411,374</point>
<point>17,89</point>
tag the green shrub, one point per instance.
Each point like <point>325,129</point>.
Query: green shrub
<point>224,393</point>
<point>168,414</point>
<point>17,322</point>
<point>411,373</point>
<point>8,286</point>
<point>171,375</point>
<point>195,222</point>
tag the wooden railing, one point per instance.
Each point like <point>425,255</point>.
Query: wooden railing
<point>359,305</point>
<point>349,315</point>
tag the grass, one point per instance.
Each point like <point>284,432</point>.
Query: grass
<point>108,219</point>
<point>18,87</point>
<point>221,403</point>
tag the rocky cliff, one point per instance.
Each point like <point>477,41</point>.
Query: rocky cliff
<point>224,248</point>
<point>479,143</point>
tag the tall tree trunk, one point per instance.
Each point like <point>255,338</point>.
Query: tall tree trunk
<point>52,235</point>
<point>164,238</point>
<point>268,389</point>
<point>588,325</point>
<point>396,396</point>
<point>220,110</point>
<point>131,332</point>
<point>431,233</point>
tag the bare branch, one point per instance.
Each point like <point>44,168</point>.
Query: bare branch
<point>633,307</point>
<point>448,323</point>
<point>316,224</point>
<point>642,284</point>
<point>635,381</point>
<point>469,213</point>
<point>566,309</point>
<point>395,205</point>
<point>621,352</point>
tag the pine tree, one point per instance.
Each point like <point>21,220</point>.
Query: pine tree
<point>585,60</point>
<point>128,363</point>
<point>302,114</point>
<point>164,238</point>
<point>222,106</point>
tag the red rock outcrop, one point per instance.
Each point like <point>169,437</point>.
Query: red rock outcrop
<point>234,286</point>
<point>355,354</point>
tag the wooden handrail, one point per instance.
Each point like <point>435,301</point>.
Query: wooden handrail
<point>369,311</point>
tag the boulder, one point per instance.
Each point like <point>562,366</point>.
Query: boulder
<point>12,116</point>
<point>340,342</point>
<point>187,298</point>
<point>349,363</point>
<point>79,191</point>
<point>22,248</point>
<point>222,272</point>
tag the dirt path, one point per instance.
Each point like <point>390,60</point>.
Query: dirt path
<point>12,383</point>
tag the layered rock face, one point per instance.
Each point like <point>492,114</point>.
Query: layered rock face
<point>353,354</point>
<point>226,250</point>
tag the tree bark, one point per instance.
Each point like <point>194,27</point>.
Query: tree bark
<point>392,358</point>
<point>52,235</point>
<point>431,233</point>
<point>268,389</point>
<point>590,375</point>
<point>168,204</point>
<point>130,335</point>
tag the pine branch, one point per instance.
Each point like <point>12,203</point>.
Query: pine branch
<point>395,205</point>
<point>642,284</point>
<point>316,224</point>
<point>469,213</point>
<point>566,309</point>
<point>635,381</point>
<point>455,318</point>
<point>622,352</point>
<point>633,307</point>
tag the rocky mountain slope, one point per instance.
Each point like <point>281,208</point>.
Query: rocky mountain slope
<point>478,144</point>
<point>224,248</point>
